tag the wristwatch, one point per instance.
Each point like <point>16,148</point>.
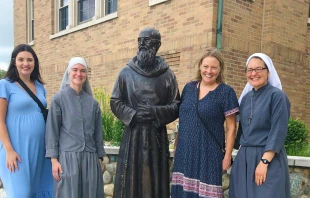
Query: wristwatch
<point>265,161</point>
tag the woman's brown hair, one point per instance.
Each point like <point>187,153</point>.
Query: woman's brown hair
<point>213,52</point>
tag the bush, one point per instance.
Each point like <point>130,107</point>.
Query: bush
<point>296,140</point>
<point>112,127</point>
<point>2,73</point>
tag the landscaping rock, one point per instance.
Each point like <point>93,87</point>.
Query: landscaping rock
<point>307,189</point>
<point>107,177</point>
<point>296,185</point>
<point>106,160</point>
<point>2,193</point>
<point>108,189</point>
<point>226,193</point>
<point>225,181</point>
<point>111,167</point>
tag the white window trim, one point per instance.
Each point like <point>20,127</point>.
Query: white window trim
<point>84,25</point>
<point>73,26</point>
<point>155,2</point>
<point>30,17</point>
<point>308,20</point>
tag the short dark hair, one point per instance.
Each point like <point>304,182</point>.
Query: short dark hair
<point>12,73</point>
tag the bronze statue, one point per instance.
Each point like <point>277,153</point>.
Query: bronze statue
<point>145,98</point>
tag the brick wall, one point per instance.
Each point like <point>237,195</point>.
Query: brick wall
<point>278,28</point>
<point>186,28</point>
<point>20,22</point>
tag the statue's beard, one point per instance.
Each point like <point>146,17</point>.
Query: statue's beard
<point>145,59</point>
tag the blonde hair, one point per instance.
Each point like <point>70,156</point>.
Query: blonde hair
<point>213,52</point>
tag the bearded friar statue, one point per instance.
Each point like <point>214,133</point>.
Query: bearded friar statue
<point>145,98</point>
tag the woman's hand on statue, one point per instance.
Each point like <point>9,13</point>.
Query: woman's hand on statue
<point>56,169</point>
<point>261,173</point>
<point>226,163</point>
<point>11,160</point>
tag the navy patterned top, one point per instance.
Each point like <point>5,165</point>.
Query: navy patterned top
<point>198,160</point>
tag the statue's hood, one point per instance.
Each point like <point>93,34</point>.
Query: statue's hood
<point>160,68</point>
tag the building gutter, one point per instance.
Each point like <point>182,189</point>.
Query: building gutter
<point>219,36</point>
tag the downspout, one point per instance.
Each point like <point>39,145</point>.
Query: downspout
<point>263,23</point>
<point>219,38</point>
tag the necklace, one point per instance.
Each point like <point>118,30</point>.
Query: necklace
<point>253,106</point>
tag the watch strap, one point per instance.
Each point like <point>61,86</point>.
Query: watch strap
<point>265,161</point>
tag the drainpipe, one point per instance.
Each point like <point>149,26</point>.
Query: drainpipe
<point>219,25</point>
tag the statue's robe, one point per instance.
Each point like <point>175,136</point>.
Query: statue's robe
<point>143,163</point>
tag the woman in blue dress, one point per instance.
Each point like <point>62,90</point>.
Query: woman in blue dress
<point>199,160</point>
<point>261,168</point>
<point>24,170</point>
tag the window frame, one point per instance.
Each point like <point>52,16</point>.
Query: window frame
<point>73,17</point>
<point>155,2</point>
<point>30,22</point>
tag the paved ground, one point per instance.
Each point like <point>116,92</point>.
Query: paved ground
<point>2,193</point>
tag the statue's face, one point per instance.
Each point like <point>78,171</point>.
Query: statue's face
<point>147,40</point>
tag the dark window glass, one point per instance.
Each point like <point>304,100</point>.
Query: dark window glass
<point>63,18</point>
<point>111,6</point>
<point>86,9</point>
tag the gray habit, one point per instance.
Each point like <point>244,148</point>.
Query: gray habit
<point>266,131</point>
<point>143,167</point>
<point>74,136</point>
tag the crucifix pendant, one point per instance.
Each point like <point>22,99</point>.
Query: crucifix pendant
<point>250,119</point>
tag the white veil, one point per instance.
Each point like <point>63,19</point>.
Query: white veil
<point>273,77</point>
<point>66,80</point>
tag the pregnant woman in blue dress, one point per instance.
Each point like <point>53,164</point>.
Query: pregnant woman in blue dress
<point>24,170</point>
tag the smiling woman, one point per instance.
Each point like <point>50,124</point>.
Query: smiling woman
<point>261,167</point>
<point>206,105</point>
<point>74,136</point>
<point>22,129</point>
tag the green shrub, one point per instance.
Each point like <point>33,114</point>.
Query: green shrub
<point>112,127</point>
<point>118,132</point>
<point>296,140</point>
<point>107,125</point>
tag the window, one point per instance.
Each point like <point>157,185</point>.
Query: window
<point>86,10</point>
<point>111,6</point>
<point>73,15</point>
<point>63,15</point>
<point>30,18</point>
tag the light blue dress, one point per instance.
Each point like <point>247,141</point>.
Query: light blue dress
<point>26,129</point>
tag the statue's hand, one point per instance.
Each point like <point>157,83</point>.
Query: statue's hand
<point>145,114</point>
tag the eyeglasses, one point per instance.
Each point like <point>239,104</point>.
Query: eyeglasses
<point>146,40</point>
<point>257,70</point>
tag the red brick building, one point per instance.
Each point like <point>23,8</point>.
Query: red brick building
<point>105,33</point>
